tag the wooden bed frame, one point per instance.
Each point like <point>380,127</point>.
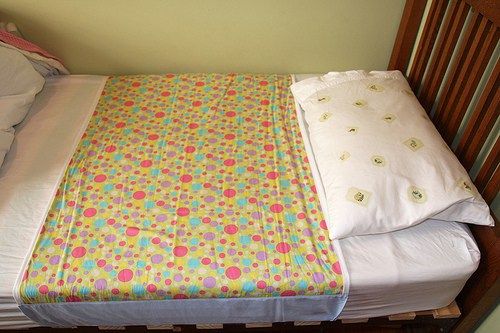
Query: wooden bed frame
<point>444,47</point>
<point>455,47</point>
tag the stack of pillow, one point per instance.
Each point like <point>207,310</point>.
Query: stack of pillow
<point>20,82</point>
<point>23,66</point>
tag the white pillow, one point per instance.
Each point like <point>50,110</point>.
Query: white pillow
<point>19,83</point>
<point>383,164</point>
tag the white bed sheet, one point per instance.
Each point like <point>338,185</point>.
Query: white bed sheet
<point>409,270</point>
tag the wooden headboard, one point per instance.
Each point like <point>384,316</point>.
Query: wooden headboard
<point>447,50</point>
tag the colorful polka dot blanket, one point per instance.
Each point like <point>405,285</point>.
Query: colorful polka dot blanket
<point>186,186</point>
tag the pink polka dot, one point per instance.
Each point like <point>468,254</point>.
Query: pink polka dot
<point>263,83</point>
<point>231,229</point>
<point>101,263</point>
<point>43,289</point>
<point>264,102</point>
<point>336,268</point>
<point>193,125</point>
<point>128,103</point>
<point>229,193</point>
<point>146,163</point>
<point>233,273</point>
<point>183,211</point>
<point>266,123</point>
<point>283,247</point>
<point>276,208</point>
<point>288,293</point>
<point>120,124</point>
<point>165,93</point>
<point>110,149</point>
<point>160,114</point>
<point>310,257</point>
<point>231,92</point>
<point>138,195</point>
<point>199,84</point>
<point>261,284</point>
<point>272,175</point>
<point>229,162</point>
<point>100,178</point>
<point>180,296</point>
<point>229,136</point>
<point>125,275</point>
<point>78,252</point>
<point>180,251</point>
<point>190,149</point>
<point>89,212</point>
<point>323,225</point>
<point>268,147</point>
<point>230,113</point>
<point>132,231</point>
<point>186,178</point>
<point>151,288</point>
<point>153,137</point>
<point>197,103</point>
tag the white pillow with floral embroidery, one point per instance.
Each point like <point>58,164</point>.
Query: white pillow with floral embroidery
<point>382,163</point>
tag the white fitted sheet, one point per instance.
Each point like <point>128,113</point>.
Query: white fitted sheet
<point>413,269</point>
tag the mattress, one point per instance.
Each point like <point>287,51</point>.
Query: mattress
<point>390,273</point>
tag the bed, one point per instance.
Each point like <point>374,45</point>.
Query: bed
<point>409,260</point>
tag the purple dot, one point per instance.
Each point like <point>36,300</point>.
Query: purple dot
<point>209,236</point>
<point>178,277</point>
<point>209,282</point>
<point>318,277</point>
<point>161,218</point>
<point>54,260</point>
<point>110,238</point>
<point>261,255</point>
<point>307,232</point>
<point>209,199</point>
<point>71,279</point>
<point>157,258</point>
<point>100,284</point>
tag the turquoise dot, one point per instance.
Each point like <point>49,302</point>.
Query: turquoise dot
<point>248,286</point>
<point>192,289</point>
<point>141,264</point>
<point>246,262</point>
<point>290,217</point>
<point>155,172</point>
<point>299,260</point>
<point>245,240</point>
<point>195,221</point>
<point>241,170</point>
<point>59,204</point>
<point>146,223</point>
<point>103,204</point>
<point>108,187</point>
<point>196,187</point>
<point>243,220</point>
<point>144,241</point>
<point>240,142</point>
<point>94,243</point>
<point>149,204</point>
<point>167,121</point>
<point>193,263</point>
<point>199,157</point>
<point>294,238</point>
<point>138,289</point>
<point>118,157</point>
<point>194,241</point>
<point>241,201</point>
<point>88,264</point>
<point>302,284</point>
<point>220,271</point>
<point>84,291</point>
<point>31,291</point>
<point>37,265</point>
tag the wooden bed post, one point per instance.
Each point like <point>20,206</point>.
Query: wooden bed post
<point>440,51</point>
<point>407,34</point>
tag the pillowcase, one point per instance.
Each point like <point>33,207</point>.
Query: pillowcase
<point>20,84</point>
<point>382,162</point>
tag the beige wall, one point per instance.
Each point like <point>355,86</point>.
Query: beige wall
<point>154,36</point>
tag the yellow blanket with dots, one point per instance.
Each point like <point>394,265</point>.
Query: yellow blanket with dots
<point>186,186</point>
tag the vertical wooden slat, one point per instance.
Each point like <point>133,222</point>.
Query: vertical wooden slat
<point>426,44</point>
<point>481,122</point>
<point>488,168</point>
<point>475,52</point>
<point>448,38</point>
<point>407,33</point>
